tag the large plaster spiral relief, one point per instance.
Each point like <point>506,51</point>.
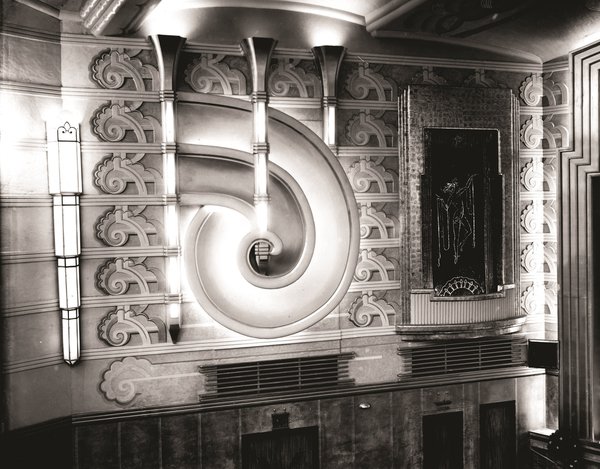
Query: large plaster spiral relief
<point>314,226</point>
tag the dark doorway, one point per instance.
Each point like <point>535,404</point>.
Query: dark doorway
<point>296,448</point>
<point>498,436</point>
<point>443,441</point>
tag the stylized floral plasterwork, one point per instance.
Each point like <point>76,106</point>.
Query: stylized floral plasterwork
<point>364,125</point>
<point>536,130</point>
<point>367,173</point>
<point>557,93</point>
<point>209,74</point>
<point>117,227</point>
<point>287,78</point>
<point>367,307</point>
<point>539,257</point>
<point>480,79</point>
<point>116,277</point>
<point>117,327</point>
<point>371,219</point>
<point>366,80</point>
<point>537,175</point>
<point>370,263</point>
<point>111,68</point>
<point>427,76</point>
<point>536,216</point>
<point>532,90</point>
<point>113,121</point>
<point>119,382</point>
<point>536,296</point>
<point>530,300</point>
<point>114,174</point>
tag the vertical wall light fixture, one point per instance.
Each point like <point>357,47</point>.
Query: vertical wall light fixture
<point>65,186</point>
<point>168,49</point>
<point>329,60</point>
<point>258,51</point>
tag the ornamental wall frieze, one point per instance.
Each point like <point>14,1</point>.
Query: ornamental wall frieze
<point>113,122</point>
<point>120,382</point>
<point>369,173</point>
<point>373,267</point>
<point>366,307</point>
<point>367,83</point>
<point>121,323</point>
<point>541,132</point>
<point>368,128</point>
<point>116,173</point>
<point>538,217</point>
<point>119,225</point>
<point>210,73</point>
<point>112,68</point>
<point>538,257</point>
<point>539,175</point>
<point>376,223</point>
<point>531,90</point>
<point>288,79</point>
<point>538,298</point>
<point>123,275</point>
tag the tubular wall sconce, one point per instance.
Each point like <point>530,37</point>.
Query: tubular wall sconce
<point>65,186</point>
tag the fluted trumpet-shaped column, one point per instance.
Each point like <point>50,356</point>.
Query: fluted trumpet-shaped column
<point>329,60</point>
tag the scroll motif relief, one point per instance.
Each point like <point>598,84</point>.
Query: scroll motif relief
<point>116,172</point>
<point>127,379</point>
<point>118,276</point>
<point>367,128</point>
<point>367,83</point>
<point>210,74</point>
<point>118,226</point>
<point>117,327</point>
<point>367,307</point>
<point>370,173</point>
<point>537,296</point>
<point>123,173</point>
<point>539,218</point>
<point>113,122</point>
<point>373,221</point>
<point>539,257</point>
<point>119,381</point>
<point>537,88</point>
<point>287,78</point>
<point>538,131</point>
<point>372,266</point>
<point>538,175</point>
<point>112,68</point>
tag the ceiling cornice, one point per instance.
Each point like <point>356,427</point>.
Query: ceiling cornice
<point>389,12</point>
<point>284,5</point>
<point>517,54</point>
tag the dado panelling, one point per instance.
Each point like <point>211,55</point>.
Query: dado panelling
<point>386,431</point>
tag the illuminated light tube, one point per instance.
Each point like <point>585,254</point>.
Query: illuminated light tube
<point>70,335</point>
<point>66,225</point>
<point>261,208</point>
<point>65,185</point>
<point>329,129</point>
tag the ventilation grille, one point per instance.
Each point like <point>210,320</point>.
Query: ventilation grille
<point>277,376</point>
<point>463,356</point>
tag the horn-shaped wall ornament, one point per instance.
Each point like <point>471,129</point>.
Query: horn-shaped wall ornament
<point>234,155</point>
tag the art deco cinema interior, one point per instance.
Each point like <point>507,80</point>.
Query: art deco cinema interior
<point>308,234</point>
